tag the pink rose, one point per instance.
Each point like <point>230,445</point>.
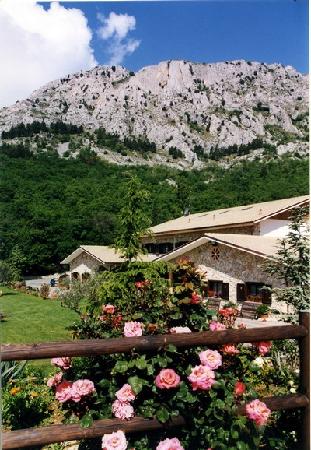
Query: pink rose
<point>230,349</point>
<point>122,410</point>
<point>263,347</point>
<point>216,326</point>
<point>239,388</point>
<point>63,391</point>
<point>201,377</point>
<point>55,380</point>
<point>64,362</point>
<point>211,359</point>
<point>180,330</point>
<point>258,412</point>
<point>81,388</point>
<point>167,379</point>
<point>125,394</point>
<point>114,441</point>
<point>170,444</point>
<point>108,309</point>
<point>133,329</point>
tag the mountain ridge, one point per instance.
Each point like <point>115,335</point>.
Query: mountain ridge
<point>188,110</point>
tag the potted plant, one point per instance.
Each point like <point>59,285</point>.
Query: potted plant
<point>263,312</point>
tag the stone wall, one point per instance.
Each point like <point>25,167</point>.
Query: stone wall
<point>84,263</point>
<point>233,266</point>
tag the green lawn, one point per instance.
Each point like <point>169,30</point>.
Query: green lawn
<point>31,319</point>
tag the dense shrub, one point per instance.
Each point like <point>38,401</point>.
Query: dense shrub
<point>242,149</point>
<point>16,150</point>
<point>31,129</point>
<point>44,290</point>
<point>139,299</point>
<point>26,400</point>
<point>175,153</point>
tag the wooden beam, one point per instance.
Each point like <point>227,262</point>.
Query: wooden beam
<point>60,433</point>
<point>95,347</point>
<point>304,377</point>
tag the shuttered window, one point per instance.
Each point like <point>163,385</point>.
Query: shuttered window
<point>225,291</point>
<point>241,292</point>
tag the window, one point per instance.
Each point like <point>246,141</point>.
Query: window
<point>259,292</point>
<point>180,244</point>
<point>159,249</point>
<point>216,288</point>
<point>165,248</point>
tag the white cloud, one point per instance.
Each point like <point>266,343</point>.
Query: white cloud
<point>114,30</point>
<point>38,45</point>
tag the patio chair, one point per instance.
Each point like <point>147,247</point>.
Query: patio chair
<point>249,309</point>
<point>213,303</point>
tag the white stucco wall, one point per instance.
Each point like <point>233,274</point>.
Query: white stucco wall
<point>274,228</point>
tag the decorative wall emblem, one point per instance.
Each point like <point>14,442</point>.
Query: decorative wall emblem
<point>215,253</point>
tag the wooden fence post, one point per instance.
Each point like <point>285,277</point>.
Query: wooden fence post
<point>304,375</point>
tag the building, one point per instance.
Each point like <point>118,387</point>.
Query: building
<point>269,219</point>
<point>89,259</point>
<point>232,244</point>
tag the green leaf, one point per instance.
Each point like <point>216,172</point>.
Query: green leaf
<point>235,434</point>
<point>240,445</point>
<point>141,363</point>
<point>121,366</point>
<point>136,384</point>
<point>211,312</point>
<point>86,421</point>
<point>162,414</point>
<point>171,348</point>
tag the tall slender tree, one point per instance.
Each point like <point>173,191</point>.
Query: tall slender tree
<point>133,220</point>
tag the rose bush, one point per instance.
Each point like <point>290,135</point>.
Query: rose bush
<point>203,384</point>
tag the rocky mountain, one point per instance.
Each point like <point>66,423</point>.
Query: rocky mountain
<point>190,111</point>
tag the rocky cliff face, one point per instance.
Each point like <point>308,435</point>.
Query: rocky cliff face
<point>178,104</point>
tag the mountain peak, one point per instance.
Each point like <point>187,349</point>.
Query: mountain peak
<point>191,107</point>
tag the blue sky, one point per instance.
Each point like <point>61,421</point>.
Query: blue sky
<point>268,31</point>
<point>47,41</point>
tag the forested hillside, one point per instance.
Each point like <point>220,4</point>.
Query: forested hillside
<point>49,205</point>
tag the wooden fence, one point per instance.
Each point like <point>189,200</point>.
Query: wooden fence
<point>60,433</point>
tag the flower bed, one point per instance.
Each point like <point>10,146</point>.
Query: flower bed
<point>204,385</point>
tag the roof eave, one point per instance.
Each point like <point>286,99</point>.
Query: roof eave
<point>280,211</point>
<point>202,229</point>
<point>202,240</point>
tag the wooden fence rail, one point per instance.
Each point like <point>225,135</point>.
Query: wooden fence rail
<point>60,433</point>
<point>96,347</point>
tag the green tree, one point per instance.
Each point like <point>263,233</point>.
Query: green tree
<point>292,264</point>
<point>183,195</point>
<point>16,263</point>
<point>133,220</point>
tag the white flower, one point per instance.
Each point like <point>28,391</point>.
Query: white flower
<point>259,361</point>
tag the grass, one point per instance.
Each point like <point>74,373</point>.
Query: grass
<point>31,319</point>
